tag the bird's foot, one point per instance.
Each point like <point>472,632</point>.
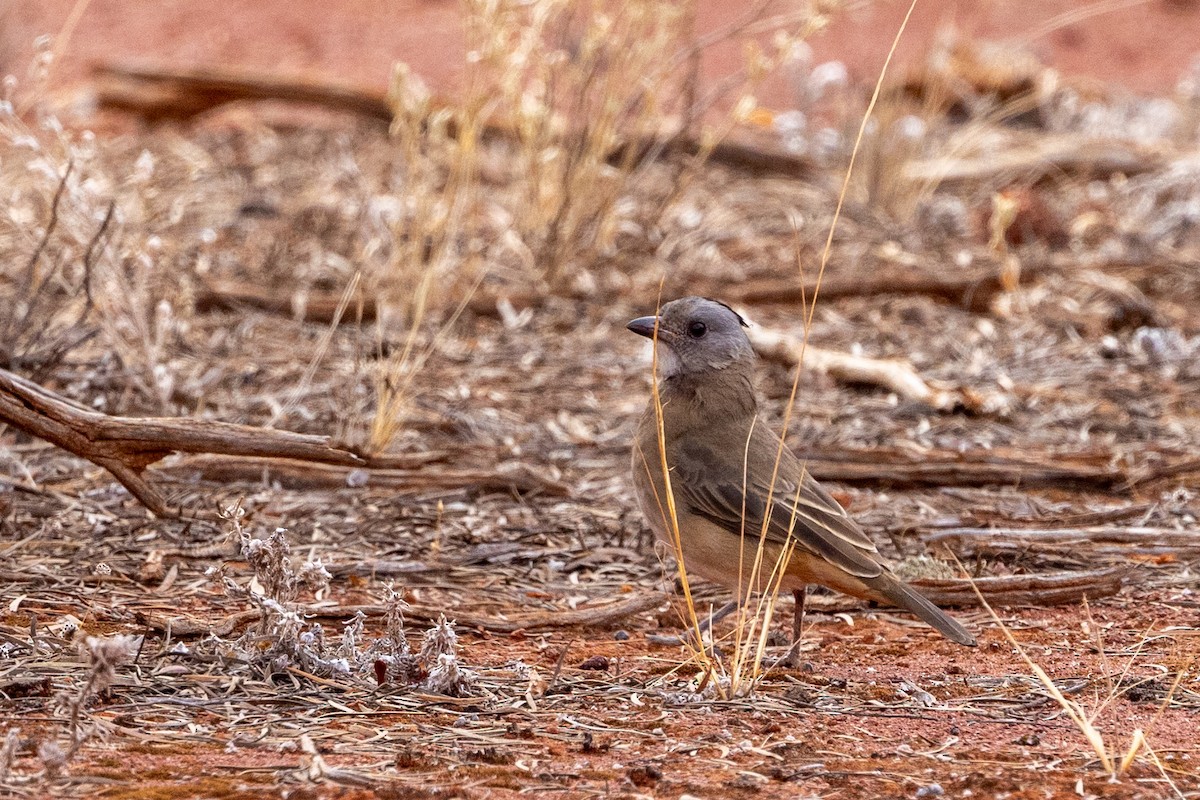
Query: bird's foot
<point>792,658</point>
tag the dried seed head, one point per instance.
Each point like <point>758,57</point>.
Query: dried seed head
<point>8,753</point>
<point>438,641</point>
<point>104,654</point>
<point>448,678</point>
<point>52,756</point>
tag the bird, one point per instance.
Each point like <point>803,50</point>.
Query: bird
<point>728,471</point>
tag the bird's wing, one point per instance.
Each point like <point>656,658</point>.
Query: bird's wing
<point>734,491</point>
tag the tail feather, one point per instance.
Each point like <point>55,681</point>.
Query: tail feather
<point>905,596</point>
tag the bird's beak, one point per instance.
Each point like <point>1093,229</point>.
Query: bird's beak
<point>643,326</point>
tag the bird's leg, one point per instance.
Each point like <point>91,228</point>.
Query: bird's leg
<point>791,658</point>
<point>798,615</point>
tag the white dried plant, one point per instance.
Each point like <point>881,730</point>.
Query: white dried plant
<point>8,753</point>
<point>102,655</point>
<point>389,657</point>
<point>77,256</point>
<point>283,638</point>
<point>450,678</point>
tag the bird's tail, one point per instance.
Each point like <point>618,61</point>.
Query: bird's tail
<point>897,591</point>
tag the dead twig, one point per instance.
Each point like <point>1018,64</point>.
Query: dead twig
<point>1000,466</point>
<point>892,374</point>
<point>968,542</point>
<point>588,616</point>
<point>322,307</point>
<point>162,93</point>
<point>125,446</point>
<point>515,477</point>
<point>972,287</point>
<point>1041,590</point>
<point>1031,160</point>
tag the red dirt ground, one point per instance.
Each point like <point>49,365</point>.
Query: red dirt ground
<point>1145,46</point>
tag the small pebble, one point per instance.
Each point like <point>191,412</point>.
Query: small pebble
<point>621,636</point>
<point>599,663</point>
<point>932,790</point>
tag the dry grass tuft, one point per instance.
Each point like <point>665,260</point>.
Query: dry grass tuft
<point>578,86</point>
<point>84,252</point>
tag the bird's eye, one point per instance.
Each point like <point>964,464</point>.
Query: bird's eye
<point>697,329</point>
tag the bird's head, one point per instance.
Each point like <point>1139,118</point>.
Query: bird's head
<point>696,336</point>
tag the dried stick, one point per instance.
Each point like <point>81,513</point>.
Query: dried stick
<point>589,616</point>
<point>514,477</point>
<point>1031,160</point>
<point>164,93</point>
<point>892,374</point>
<point>1050,589</point>
<point>973,288</point>
<point>321,307</point>
<point>896,467</point>
<point>125,446</point>
<point>1140,540</point>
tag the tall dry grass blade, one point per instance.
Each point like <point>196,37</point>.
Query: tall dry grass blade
<point>1077,15</point>
<point>670,515</point>
<point>320,352</point>
<point>1162,770</point>
<point>1072,709</point>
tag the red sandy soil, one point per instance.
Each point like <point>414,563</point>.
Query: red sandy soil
<point>1144,47</point>
<point>830,729</point>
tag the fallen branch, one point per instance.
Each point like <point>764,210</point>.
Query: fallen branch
<point>1041,590</point>
<point>1050,589</point>
<point>968,542</point>
<point>971,287</point>
<point>322,307</point>
<point>588,616</point>
<point>974,287</point>
<point>126,446</point>
<point>160,93</point>
<point>1032,159</point>
<point>512,477</point>
<point>893,374</point>
<point>1003,467</point>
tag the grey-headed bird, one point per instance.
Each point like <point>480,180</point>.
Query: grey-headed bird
<point>728,472</point>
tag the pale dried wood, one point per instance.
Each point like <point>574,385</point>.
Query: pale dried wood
<point>514,477</point>
<point>894,375</point>
<point>588,616</point>
<point>1043,589</point>
<point>967,542</point>
<point>1032,159</point>
<point>196,626</point>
